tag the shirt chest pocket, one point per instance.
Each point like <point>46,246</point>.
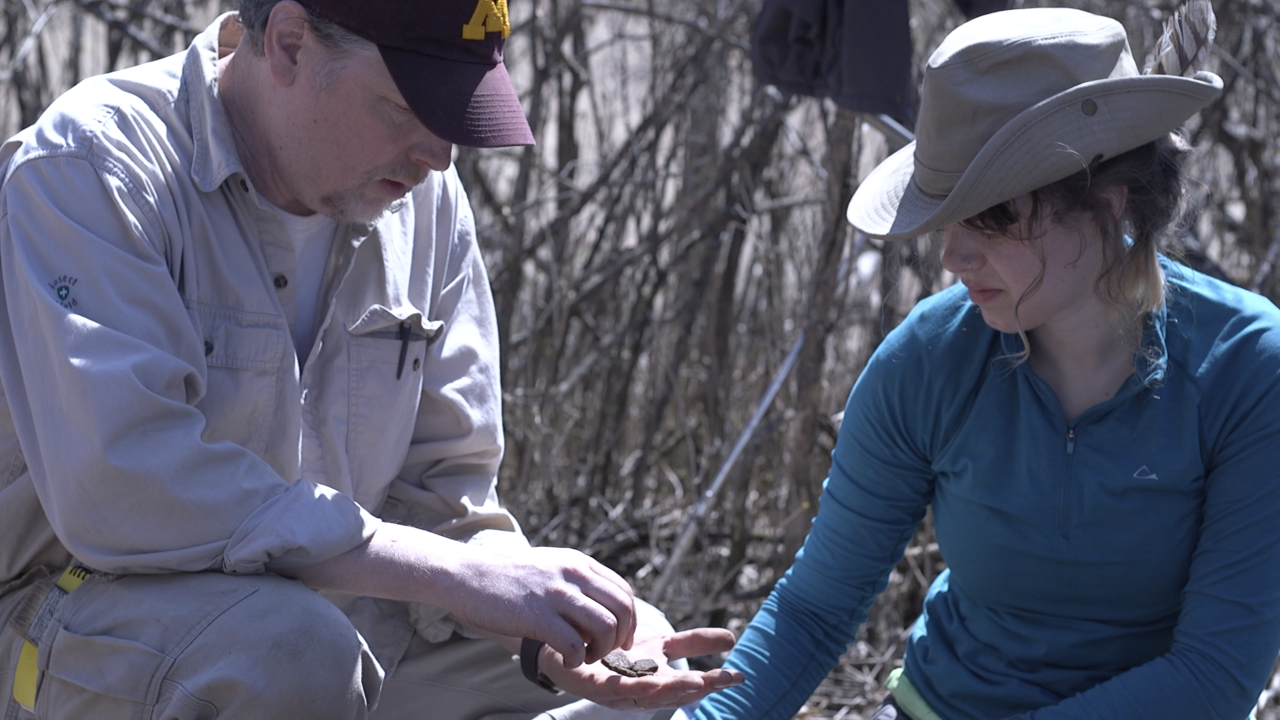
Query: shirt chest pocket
<point>243,353</point>
<point>388,353</point>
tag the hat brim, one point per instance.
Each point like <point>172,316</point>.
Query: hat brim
<point>1049,141</point>
<point>469,104</point>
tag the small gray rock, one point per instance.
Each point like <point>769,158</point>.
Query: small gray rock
<point>644,666</point>
<point>621,664</point>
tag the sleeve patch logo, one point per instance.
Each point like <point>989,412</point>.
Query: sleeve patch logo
<point>490,16</point>
<point>62,287</point>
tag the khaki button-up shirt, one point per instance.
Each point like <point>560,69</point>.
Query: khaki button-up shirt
<point>154,415</point>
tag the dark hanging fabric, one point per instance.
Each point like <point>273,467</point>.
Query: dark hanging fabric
<point>856,52</point>
<point>974,8</point>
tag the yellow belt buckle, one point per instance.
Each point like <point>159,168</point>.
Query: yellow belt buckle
<point>27,675</point>
<point>72,577</point>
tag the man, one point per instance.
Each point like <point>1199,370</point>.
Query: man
<point>247,349</point>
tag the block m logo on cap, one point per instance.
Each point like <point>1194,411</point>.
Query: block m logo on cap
<point>490,16</point>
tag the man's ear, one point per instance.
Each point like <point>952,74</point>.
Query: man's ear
<point>282,41</point>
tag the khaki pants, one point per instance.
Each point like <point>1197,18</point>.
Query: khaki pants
<point>209,645</point>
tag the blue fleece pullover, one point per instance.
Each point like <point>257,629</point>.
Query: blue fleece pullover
<point>1123,565</point>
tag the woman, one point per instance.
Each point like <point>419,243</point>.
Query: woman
<point>1096,429</point>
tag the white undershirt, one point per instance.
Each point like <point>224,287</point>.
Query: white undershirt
<point>312,237</point>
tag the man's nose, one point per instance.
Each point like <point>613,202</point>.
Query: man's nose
<point>431,152</point>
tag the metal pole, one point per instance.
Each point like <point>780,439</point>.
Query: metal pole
<point>690,529</point>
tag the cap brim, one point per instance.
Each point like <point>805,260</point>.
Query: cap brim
<point>1045,143</point>
<point>471,104</point>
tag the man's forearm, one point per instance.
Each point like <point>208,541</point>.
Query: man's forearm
<point>562,597</point>
<point>398,563</point>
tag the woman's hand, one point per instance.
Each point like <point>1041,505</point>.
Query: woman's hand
<point>668,688</point>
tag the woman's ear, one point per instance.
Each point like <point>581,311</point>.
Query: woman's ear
<point>1115,197</point>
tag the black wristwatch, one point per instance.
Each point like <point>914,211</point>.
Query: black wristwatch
<point>529,650</point>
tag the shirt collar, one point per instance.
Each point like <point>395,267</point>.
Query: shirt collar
<point>215,158</point>
<point>1152,359</point>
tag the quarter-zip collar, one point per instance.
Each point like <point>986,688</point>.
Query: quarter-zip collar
<point>1150,360</point>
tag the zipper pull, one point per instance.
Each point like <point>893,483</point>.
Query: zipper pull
<point>403,336</point>
<point>1071,437</point>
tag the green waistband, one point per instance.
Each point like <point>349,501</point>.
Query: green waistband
<point>905,695</point>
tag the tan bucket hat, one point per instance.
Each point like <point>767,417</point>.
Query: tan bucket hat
<point>1014,101</point>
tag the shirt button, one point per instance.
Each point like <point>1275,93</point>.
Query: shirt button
<point>281,282</point>
<point>417,363</point>
<point>244,185</point>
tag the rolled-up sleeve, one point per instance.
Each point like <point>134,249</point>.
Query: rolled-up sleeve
<point>103,369</point>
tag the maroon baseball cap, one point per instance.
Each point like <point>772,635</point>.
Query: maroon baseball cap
<point>446,59</point>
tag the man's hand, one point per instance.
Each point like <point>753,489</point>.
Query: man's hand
<point>561,597</point>
<point>668,688</point>
<point>577,606</point>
